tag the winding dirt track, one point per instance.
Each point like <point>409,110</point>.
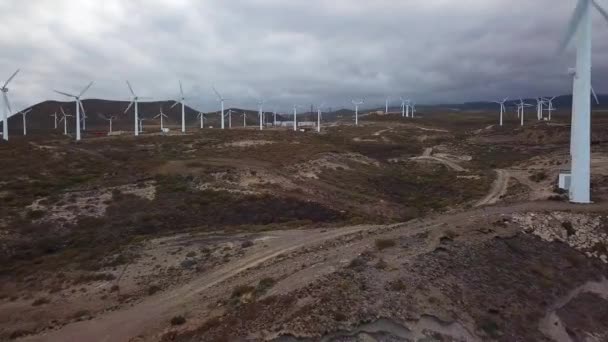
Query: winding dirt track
<point>499,188</point>
<point>147,315</point>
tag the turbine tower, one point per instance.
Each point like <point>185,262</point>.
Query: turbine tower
<point>580,25</point>
<point>54,115</point>
<point>64,117</point>
<point>135,103</point>
<point>550,107</point>
<point>402,107</point>
<point>7,111</point>
<point>201,116</point>
<point>356,103</point>
<point>221,99</point>
<point>79,106</point>
<point>319,117</point>
<point>502,108</point>
<point>295,115</point>
<point>109,119</point>
<point>24,121</point>
<point>181,100</point>
<point>386,105</point>
<point>520,109</point>
<point>161,115</point>
<point>540,102</point>
<point>261,112</point>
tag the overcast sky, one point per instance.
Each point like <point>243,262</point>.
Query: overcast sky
<point>292,51</point>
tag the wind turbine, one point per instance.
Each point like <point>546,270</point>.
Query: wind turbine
<point>540,102</point>
<point>274,120</point>
<point>221,99</point>
<point>109,119</point>
<point>244,119</point>
<point>65,121</point>
<point>141,124</point>
<point>550,107</point>
<point>580,25</point>
<point>7,112</point>
<point>413,107</point>
<point>319,117</point>
<point>402,107</point>
<point>229,118</point>
<point>386,105</point>
<point>520,109</point>
<point>24,121</point>
<point>134,101</point>
<point>295,115</point>
<point>181,100</point>
<point>78,107</point>
<point>201,116</point>
<point>502,108</point>
<point>161,115</point>
<point>356,104</point>
<point>54,115</point>
<point>261,112</point>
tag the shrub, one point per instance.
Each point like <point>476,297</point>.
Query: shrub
<point>41,301</point>
<point>242,290</point>
<point>264,285</point>
<point>247,244</point>
<point>153,289</point>
<point>178,320</point>
<point>385,243</point>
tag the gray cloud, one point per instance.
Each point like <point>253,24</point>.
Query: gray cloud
<point>287,52</point>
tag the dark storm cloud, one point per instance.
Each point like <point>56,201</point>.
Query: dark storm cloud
<point>303,52</point>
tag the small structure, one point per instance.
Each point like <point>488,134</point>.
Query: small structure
<point>565,177</point>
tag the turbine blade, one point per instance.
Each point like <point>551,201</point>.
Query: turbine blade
<point>175,104</point>
<point>181,90</point>
<point>85,89</point>
<point>595,96</point>
<point>62,111</point>
<point>579,11</point>
<point>131,89</point>
<point>84,113</point>
<point>219,97</point>
<point>65,94</point>
<point>11,78</point>
<point>600,9</point>
<point>129,106</point>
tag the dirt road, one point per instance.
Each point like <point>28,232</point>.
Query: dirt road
<point>443,161</point>
<point>499,188</point>
<point>149,314</point>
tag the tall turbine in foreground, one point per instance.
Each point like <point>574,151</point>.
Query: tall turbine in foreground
<point>135,103</point>
<point>502,108</point>
<point>79,106</point>
<point>356,104</point>
<point>7,111</point>
<point>221,99</point>
<point>181,100</point>
<point>580,25</point>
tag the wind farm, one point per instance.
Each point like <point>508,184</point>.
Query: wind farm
<point>369,188</point>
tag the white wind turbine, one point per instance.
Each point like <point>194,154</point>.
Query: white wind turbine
<point>201,116</point>
<point>413,108</point>
<point>244,119</point>
<point>79,106</point>
<point>386,105</point>
<point>402,107</point>
<point>135,103</point>
<point>24,120</point>
<point>161,115</point>
<point>109,119</point>
<point>181,100</point>
<point>540,103</point>
<point>357,103</point>
<point>54,115</point>
<point>319,117</point>
<point>550,107</point>
<point>295,115</point>
<point>64,118</point>
<point>7,112</point>
<point>230,118</point>
<point>580,25</point>
<point>502,108</point>
<point>221,99</point>
<point>521,109</point>
<point>141,125</point>
<point>274,120</point>
<point>261,112</point>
